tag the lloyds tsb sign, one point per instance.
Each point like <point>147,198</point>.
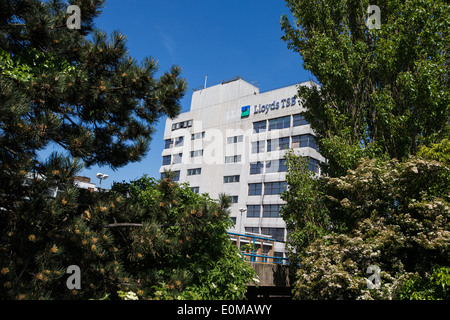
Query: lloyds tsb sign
<point>265,108</point>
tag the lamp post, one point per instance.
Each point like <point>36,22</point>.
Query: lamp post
<point>241,210</point>
<point>101,177</point>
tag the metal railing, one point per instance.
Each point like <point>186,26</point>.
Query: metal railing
<point>256,255</point>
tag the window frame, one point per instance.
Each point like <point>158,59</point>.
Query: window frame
<point>279,123</point>
<point>197,153</point>
<point>165,162</point>
<point>256,167</point>
<point>271,210</point>
<point>257,147</point>
<point>194,171</point>
<point>231,179</point>
<point>251,212</point>
<point>300,121</point>
<point>274,188</point>
<point>260,126</point>
<point>255,189</point>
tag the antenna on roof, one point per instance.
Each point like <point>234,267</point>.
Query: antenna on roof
<point>206,77</point>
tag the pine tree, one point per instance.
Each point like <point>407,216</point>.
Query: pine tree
<point>78,89</point>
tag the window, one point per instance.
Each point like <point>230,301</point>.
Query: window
<point>194,172</point>
<point>279,259</point>
<point>234,199</point>
<point>282,165</point>
<point>235,139</point>
<point>199,135</point>
<point>271,167</point>
<point>166,160</point>
<point>256,168</point>
<point>180,125</point>
<point>313,165</point>
<point>258,146</point>
<point>312,142</point>
<point>283,143</point>
<point>253,211</point>
<point>305,140</point>
<point>177,158</point>
<point>259,126</point>
<point>279,144</point>
<point>231,179</point>
<point>280,123</point>
<point>179,141</point>
<point>175,173</point>
<point>168,144</point>
<point>271,210</point>
<point>276,166</point>
<point>195,189</point>
<point>276,233</point>
<point>252,229</point>
<point>274,187</point>
<point>296,140</point>
<point>299,120</point>
<point>196,153</point>
<point>254,189</point>
<point>233,159</point>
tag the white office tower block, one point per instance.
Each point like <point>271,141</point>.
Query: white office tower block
<point>233,140</point>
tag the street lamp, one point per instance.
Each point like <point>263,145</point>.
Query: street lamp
<point>241,210</point>
<point>101,176</point>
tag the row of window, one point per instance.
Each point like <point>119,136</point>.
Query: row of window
<point>279,123</point>
<point>255,167</point>
<point>259,126</point>
<point>275,233</point>
<point>181,125</point>
<point>271,166</point>
<point>179,141</point>
<point>270,188</point>
<point>305,140</point>
<point>300,141</point>
<point>268,211</point>
<point>254,189</point>
<point>279,166</point>
<point>176,158</point>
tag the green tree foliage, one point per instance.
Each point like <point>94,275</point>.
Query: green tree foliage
<point>78,89</point>
<point>156,239</point>
<point>304,212</point>
<point>383,92</point>
<point>81,90</point>
<point>433,286</point>
<point>380,116</point>
<point>391,214</point>
<point>437,151</point>
<point>183,249</point>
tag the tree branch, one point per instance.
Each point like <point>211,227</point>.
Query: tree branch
<point>114,225</point>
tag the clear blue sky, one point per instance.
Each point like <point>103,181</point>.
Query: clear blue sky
<point>217,38</point>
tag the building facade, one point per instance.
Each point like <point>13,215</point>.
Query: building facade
<point>233,141</point>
